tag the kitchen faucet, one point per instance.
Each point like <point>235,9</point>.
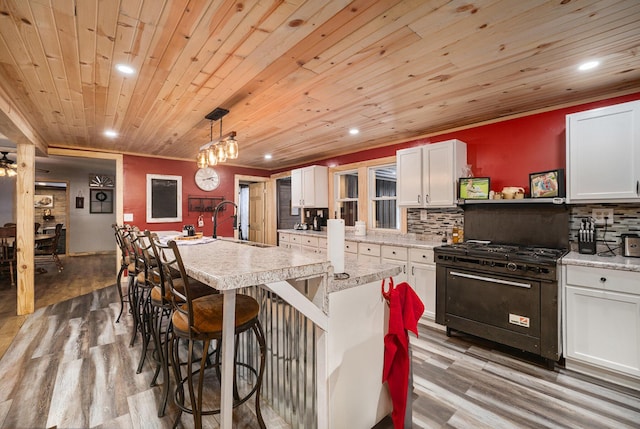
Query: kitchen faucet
<point>215,216</point>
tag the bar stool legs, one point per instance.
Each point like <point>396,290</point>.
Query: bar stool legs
<point>195,375</point>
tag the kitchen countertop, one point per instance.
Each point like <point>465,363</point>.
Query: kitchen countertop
<point>239,265</point>
<point>611,262</point>
<point>373,238</point>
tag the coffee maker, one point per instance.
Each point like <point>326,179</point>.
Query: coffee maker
<point>317,223</point>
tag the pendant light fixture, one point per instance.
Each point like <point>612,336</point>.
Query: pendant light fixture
<point>217,151</point>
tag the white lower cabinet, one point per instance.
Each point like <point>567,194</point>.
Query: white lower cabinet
<point>398,256</point>
<point>422,277</point>
<point>602,322</point>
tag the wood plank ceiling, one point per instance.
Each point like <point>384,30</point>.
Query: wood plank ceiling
<point>297,74</point>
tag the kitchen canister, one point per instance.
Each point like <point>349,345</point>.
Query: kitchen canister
<point>361,228</point>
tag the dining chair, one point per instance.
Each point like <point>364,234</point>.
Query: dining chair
<point>7,250</point>
<point>49,247</point>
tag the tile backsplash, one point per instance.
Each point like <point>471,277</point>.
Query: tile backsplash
<point>432,225</point>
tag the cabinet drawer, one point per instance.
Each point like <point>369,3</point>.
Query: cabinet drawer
<point>351,247</point>
<point>369,249</point>
<point>309,241</point>
<point>394,252</point>
<point>283,238</point>
<point>604,279</point>
<point>294,238</point>
<point>424,256</point>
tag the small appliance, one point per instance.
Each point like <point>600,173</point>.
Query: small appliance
<point>630,245</point>
<point>317,223</point>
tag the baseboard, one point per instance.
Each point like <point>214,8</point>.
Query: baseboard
<point>101,252</point>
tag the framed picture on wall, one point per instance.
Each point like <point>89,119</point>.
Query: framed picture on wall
<point>164,198</point>
<point>101,201</point>
<point>474,188</point>
<point>43,201</point>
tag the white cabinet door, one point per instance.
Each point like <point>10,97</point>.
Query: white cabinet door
<point>422,277</point>
<point>440,183</point>
<point>603,328</point>
<point>296,188</point>
<point>409,173</point>
<point>603,154</point>
<point>310,186</point>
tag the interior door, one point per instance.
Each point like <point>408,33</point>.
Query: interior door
<point>256,211</point>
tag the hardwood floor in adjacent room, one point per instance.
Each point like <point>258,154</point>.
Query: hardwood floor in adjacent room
<point>71,366</point>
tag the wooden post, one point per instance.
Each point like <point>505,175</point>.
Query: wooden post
<point>25,188</point>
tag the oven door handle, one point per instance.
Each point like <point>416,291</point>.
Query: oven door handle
<point>490,279</point>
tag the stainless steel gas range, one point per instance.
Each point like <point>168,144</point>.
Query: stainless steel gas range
<point>502,283</point>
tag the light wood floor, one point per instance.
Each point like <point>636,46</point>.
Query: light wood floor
<point>71,366</point>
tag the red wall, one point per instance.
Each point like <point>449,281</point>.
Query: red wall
<point>504,151</point>
<point>136,169</point>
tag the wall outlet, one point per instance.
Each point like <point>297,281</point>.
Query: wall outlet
<point>423,215</point>
<point>599,214</point>
<point>128,217</point>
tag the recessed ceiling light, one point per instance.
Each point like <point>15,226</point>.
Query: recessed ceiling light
<point>268,156</point>
<point>354,131</point>
<point>588,65</point>
<point>125,69</point>
<point>110,133</point>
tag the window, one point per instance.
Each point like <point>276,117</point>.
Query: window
<point>384,213</point>
<point>346,192</point>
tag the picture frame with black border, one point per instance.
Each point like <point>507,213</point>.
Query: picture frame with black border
<point>547,184</point>
<point>474,188</point>
<point>101,201</point>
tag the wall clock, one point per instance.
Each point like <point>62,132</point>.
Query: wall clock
<point>101,181</point>
<point>207,179</point>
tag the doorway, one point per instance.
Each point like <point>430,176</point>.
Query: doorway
<point>251,198</point>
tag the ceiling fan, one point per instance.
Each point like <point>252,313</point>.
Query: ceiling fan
<point>9,167</point>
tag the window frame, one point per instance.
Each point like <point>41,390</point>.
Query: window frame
<point>372,198</point>
<point>336,188</point>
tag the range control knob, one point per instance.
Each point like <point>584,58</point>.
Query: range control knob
<point>511,266</point>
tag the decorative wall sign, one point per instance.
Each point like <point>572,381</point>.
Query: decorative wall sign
<point>164,198</point>
<point>101,201</point>
<point>79,202</point>
<point>101,181</point>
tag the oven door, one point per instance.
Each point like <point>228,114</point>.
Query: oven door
<point>500,308</point>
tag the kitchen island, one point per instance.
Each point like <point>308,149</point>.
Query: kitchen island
<point>348,318</point>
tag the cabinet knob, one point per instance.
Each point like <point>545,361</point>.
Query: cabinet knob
<point>413,271</point>
<point>393,251</point>
<point>419,202</point>
<point>603,279</point>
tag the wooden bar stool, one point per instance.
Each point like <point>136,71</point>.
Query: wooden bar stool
<point>125,264</point>
<point>161,311</point>
<point>199,320</point>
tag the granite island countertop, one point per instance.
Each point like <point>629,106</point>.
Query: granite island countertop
<point>616,262</point>
<point>228,264</point>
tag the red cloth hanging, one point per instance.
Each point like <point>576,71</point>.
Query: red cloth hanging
<point>405,309</point>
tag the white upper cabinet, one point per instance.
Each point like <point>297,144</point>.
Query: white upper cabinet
<point>603,154</point>
<point>427,175</point>
<point>310,186</point>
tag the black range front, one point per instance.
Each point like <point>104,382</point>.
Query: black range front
<point>506,292</point>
